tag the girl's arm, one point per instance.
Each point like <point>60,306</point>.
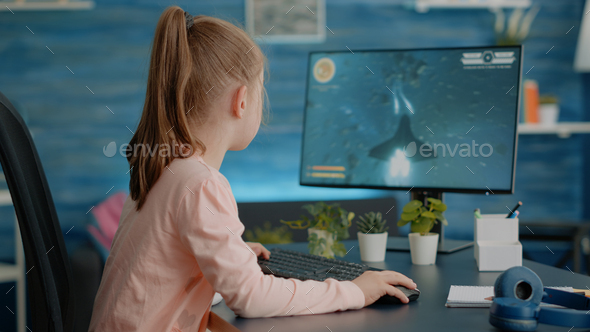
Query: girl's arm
<point>209,227</point>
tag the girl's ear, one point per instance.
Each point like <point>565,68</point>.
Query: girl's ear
<point>239,102</point>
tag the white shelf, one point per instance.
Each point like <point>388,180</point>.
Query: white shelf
<point>424,5</point>
<point>5,198</point>
<point>46,5</point>
<point>561,129</point>
<point>9,272</point>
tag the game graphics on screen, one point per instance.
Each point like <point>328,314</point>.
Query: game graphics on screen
<point>438,118</point>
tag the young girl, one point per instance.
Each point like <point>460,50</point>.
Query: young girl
<point>179,239</point>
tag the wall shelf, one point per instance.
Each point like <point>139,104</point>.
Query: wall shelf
<point>5,198</point>
<point>424,5</point>
<point>561,129</point>
<point>46,5</point>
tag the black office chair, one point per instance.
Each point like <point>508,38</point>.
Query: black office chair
<point>49,279</point>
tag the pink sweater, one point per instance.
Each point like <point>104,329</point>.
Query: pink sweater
<point>168,259</point>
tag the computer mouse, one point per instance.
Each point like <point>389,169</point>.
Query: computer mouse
<point>412,295</point>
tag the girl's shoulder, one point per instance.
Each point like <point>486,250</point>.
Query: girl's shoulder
<point>194,171</point>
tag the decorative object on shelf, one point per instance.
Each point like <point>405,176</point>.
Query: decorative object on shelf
<point>548,110</point>
<point>531,101</point>
<point>582,58</point>
<point>423,243</point>
<point>286,21</point>
<point>269,235</point>
<point>372,237</point>
<point>328,226</point>
<point>516,29</point>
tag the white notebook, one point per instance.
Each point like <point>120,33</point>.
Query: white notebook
<point>475,296</point>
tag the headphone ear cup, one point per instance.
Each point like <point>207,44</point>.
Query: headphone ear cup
<point>508,324</point>
<point>514,314</point>
<point>519,282</point>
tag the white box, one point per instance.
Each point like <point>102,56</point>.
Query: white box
<point>496,245</point>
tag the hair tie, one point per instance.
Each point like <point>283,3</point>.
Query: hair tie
<point>189,20</point>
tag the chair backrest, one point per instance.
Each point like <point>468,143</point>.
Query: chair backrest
<point>49,278</point>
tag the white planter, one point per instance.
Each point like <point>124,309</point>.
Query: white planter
<point>423,248</point>
<point>548,114</point>
<point>372,246</point>
<point>324,234</point>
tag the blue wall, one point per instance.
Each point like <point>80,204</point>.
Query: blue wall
<point>108,50</point>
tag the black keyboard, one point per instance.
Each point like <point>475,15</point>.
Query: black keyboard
<point>293,264</point>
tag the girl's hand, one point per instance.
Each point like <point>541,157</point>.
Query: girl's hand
<point>375,284</point>
<point>259,249</point>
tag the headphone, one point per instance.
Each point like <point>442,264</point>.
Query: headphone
<point>519,291</point>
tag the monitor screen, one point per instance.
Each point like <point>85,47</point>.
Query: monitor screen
<point>423,119</point>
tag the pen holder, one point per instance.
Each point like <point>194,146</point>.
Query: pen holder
<point>496,245</point>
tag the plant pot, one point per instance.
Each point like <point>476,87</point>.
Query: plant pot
<point>324,234</point>
<point>372,246</point>
<point>423,248</point>
<point>548,114</point>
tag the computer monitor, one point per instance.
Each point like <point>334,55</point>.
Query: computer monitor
<point>420,120</point>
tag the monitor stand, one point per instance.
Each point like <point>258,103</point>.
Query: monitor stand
<point>445,246</point>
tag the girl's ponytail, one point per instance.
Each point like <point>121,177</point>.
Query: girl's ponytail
<point>190,66</point>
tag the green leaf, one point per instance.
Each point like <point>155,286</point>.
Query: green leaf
<point>410,215</point>
<point>440,207</point>
<point>402,222</point>
<point>297,224</point>
<point>316,245</point>
<point>434,200</point>
<point>313,237</point>
<point>412,205</point>
<point>428,214</point>
<point>439,216</point>
<point>339,249</point>
<point>309,208</point>
<point>342,234</point>
<point>350,217</point>
<point>422,225</point>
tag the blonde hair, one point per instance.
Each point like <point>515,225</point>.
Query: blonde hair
<point>189,69</point>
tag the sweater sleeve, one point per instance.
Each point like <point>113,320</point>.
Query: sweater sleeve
<point>209,227</point>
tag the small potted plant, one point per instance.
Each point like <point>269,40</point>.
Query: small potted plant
<point>372,237</point>
<point>328,226</point>
<point>269,235</point>
<point>423,243</point>
<point>548,110</point>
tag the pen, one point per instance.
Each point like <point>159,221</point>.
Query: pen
<point>514,209</point>
<point>515,214</point>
